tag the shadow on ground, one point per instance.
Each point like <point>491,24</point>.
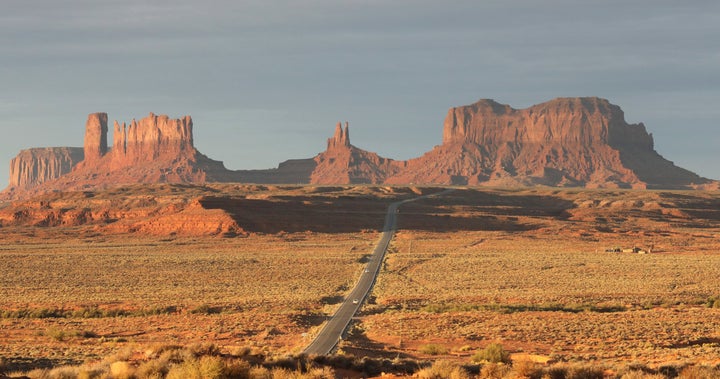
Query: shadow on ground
<point>457,211</point>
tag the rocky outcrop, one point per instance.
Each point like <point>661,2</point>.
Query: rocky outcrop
<point>578,142</point>
<point>341,138</point>
<point>155,149</point>
<point>33,167</point>
<point>96,130</point>
<point>344,163</point>
<point>564,142</point>
<point>161,210</point>
<point>152,138</point>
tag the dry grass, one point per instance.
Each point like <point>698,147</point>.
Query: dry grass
<point>526,268</point>
<point>263,290</point>
<point>529,268</point>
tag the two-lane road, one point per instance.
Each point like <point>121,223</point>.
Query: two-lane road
<point>333,330</point>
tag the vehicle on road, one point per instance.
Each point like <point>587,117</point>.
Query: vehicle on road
<point>355,301</point>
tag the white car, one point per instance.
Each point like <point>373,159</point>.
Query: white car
<point>355,301</point>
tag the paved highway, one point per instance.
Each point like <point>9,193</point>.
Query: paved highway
<point>333,330</point>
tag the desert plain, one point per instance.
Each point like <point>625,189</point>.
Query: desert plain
<point>605,277</point>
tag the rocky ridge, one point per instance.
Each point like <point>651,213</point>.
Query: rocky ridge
<point>576,142</point>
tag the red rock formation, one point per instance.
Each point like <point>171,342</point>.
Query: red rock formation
<point>33,167</point>
<point>341,138</point>
<point>581,142</point>
<point>155,149</point>
<point>344,163</point>
<point>96,136</point>
<point>144,213</point>
<point>151,138</point>
<point>564,142</point>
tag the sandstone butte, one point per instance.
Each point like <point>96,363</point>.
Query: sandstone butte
<point>567,142</point>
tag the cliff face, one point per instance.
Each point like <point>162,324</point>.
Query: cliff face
<point>151,138</point>
<point>33,167</point>
<point>581,142</point>
<point>564,142</point>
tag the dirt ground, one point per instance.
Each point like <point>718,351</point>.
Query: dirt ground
<point>534,269</point>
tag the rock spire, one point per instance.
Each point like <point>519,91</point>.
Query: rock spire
<point>341,138</point>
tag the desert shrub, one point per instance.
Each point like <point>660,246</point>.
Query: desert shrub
<point>494,371</point>
<point>699,372</point>
<point>369,366</point>
<point>63,373</point>
<point>211,367</point>
<point>199,350</point>
<point>206,309</point>
<point>320,373</point>
<point>337,361</point>
<point>405,366</point>
<point>285,362</point>
<point>637,374</point>
<point>122,370</point>
<point>713,302</point>
<point>527,369</point>
<point>443,370</point>
<point>493,353</point>
<point>158,349</point>
<point>32,313</point>
<point>89,374</point>
<point>205,367</point>
<point>585,372</point>
<point>243,351</point>
<point>556,372</point>
<point>56,334</point>
<point>259,372</point>
<point>238,369</point>
<point>153,369</point>
<point>433,349</point>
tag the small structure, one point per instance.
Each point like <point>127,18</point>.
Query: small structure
<point>633,250</point>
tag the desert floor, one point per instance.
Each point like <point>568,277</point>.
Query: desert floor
<point>87,275</point>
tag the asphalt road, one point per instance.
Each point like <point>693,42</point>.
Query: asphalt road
<point>333,330</point>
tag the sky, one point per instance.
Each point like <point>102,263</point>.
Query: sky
<point>266,81</point>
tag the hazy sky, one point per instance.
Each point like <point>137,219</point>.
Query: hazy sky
<point>267,80</point>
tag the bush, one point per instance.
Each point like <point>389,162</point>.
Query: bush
<point>206,309</point>
<point>527,369</point>
<point>556,372</point>
<point>239,369</point>
<point>585,372</point>
<point>154,369</point>
<point>56,334</point>
<point>122,370</point>
<point>433,349</point>
<point>443,370</point>
<point>259,372</point>
<point>699,372</point>
<point>494,371</point>
<point>211,367</point>
<point>493,353</point>
<point>641,375</point>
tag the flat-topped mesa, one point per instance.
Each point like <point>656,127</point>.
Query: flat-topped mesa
<point>38,165</point>
<point>582,141</point>
<point>96,130</point>
<point>341,138</point>
<point>585,121</point>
